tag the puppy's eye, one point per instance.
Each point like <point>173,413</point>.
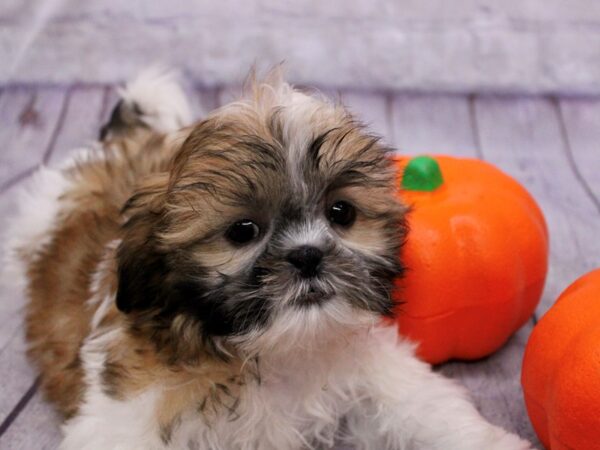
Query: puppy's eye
<point>342,213</point>
<point>242,232</point>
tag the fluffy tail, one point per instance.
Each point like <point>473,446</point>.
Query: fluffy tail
<point>154,99</point>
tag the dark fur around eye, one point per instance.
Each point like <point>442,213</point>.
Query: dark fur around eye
<point>153,291</point>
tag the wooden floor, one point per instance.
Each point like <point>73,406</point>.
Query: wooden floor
<point>549,144</point>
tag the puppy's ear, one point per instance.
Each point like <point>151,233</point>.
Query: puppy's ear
<point>142,268</point>
<point>142,274</point>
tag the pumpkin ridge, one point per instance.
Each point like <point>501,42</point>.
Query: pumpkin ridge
<point>478,253</point>
<point>560,372</point>
<point>453,311</point>
<point>471,306</point>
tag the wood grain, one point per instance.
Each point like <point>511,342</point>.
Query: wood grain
<point>89,107</point>
<point>38,121</point>
<point>373,109</point>
<point>37,427</point>
<point>433,124</point>
<point>31,120</point>
<point>15,372</point>
<point>82,122</point>
<point>494,384</point>
<point>523,137</point>
<point>11,298</point>
<point>581,120</point>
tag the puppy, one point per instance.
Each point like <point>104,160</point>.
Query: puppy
<point>222,286</point>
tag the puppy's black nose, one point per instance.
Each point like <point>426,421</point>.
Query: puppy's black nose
<point>306,259</point>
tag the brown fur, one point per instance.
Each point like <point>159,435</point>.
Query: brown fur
<point>57,315</point>
<point>60,276</point>
<point>162,196</point>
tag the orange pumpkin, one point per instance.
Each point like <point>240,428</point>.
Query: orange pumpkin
<point>476,257</point>
<point>561,369</point>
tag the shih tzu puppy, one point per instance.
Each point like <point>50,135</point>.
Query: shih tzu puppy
<point>223,285</point>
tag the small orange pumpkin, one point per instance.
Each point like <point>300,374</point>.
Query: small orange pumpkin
<point>561,369</point>
<point>476,257</point>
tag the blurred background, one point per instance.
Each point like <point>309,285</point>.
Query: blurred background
<point>458,46</point>
<point>513,82</point>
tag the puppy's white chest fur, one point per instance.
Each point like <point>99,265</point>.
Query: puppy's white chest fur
<point>284,414</point>
<point>388,399</point>
<point>286,402</point>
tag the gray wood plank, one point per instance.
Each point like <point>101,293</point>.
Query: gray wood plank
<point>581,118</point>
<point>15,372</point>
<point>203,101</point>
<point>111,97</point>
<point>523,137</point>
<point>433,124</point>
<point>89,107</point>
<point>494,384</point>
<point>30,119</point>
<point>33,120</point>
<point>372,108</point>
<point>84,110</point>
<point>11,298</point>
<point>83,119</point>
<point>227,94</point>
<point>37,427</point>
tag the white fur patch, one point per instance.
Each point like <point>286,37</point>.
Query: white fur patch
<point>162,102</point>
<point>106,423</point>
<point>98,299</point>
<point>82,155</point>
<point>367,374</point>
<point>300,114</point>
<point>313,233</point>
<point>38,205</point>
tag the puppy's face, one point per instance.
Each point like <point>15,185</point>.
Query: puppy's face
<point>277,220</point>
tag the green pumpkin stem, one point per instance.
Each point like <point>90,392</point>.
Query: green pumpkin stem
<point>422,174</point>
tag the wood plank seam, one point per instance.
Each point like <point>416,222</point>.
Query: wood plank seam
<point>389,111</point>
<point>58,127</point>
<point>475,126</point>
<point>21,404</point>
<point>104,111</point>
<point>568,148</point>
<point>19,407</point>
<point>17,178</point>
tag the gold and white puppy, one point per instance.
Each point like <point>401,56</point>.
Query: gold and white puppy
<point>221,286</point>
